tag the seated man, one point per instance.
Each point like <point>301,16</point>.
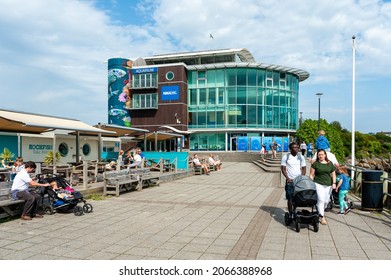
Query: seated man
<point>20,190</point>
<point>128,158</point>
<point>197,162</point>
<point>216,163</point>
<point>136,159</point>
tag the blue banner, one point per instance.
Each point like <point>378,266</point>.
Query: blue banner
<point>286,144</point>
<point>144,70</point>
<point>278,140</point>
<point>267,141</point>
<point>255,143</point>
<point>170,92</point>
<point>242,144</point>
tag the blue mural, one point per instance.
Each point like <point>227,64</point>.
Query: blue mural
<point>278,140</point>
<point>267,141</point>
<point>255,143</point>
<point>242,144</point>
<point>119,95</point>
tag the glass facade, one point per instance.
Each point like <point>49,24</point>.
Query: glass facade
<point>243,98</point>
<point>240,98</point>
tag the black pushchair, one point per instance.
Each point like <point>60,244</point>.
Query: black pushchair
<point>53,201</point>
<point>304,195</point>
<point>334,201</point>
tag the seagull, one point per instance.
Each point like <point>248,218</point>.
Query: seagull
<point>211,36</point>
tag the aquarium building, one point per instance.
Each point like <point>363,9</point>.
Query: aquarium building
<point>209,100</point>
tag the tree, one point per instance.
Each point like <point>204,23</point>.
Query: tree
<point>6,156</point>
<point>49,158</point>
<point>308,132</point>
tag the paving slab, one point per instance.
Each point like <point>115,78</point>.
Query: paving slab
<point>233,214</point>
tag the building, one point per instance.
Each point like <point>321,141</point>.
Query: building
<point>212,100</point>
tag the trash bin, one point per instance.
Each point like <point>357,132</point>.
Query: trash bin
<point>372,190</point>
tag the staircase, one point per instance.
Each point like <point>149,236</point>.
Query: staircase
<point>269,165</point>
<point>230,156</point>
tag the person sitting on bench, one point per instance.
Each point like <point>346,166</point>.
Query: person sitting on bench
<point>20,190</point>
<point>197,162</point>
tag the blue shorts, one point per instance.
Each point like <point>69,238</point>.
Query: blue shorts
<point>289,189</point>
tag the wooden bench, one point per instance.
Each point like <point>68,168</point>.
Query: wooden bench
<point>120,181</point>
<point>9,208</point>
<point>146,177</point>
<point>197,169</point>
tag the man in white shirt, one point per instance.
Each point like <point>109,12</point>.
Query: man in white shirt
<point>196,162</point>
<point>136,159</point>
<point>20,190</point>
<point>292,166</point>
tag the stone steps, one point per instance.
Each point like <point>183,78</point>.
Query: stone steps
<point>269,165</point>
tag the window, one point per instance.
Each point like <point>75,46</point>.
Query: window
<point>148,80</point>
<point>269,79</point>
<point>63,149</point>
<point>212,96</point>
<point>170,76</point>
<point>202,96</point>
<point>86,149</point>
<point>145,101</point>
<point>201,78</point>
<point>193,97</point>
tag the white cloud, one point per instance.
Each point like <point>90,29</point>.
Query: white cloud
<point>54,50</point>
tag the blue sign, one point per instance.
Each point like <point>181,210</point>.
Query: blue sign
<point>242,144</point>
<point>170,92</point>
<point>255,143</point>
<point>144,70</point>
<point>286,144</point>
<point>267,141</point>
<point>278,140</point>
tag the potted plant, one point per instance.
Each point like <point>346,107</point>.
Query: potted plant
<point>50,156</point>
<point>6,156</point>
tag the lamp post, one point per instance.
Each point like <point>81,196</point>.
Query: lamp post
<point>353,103</point>
<point>319,94</point>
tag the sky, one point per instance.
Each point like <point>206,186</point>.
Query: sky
<point>53,53</point>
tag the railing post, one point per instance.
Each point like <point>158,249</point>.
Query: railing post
<point>85,174</point>
<point>358,181</point>
<point>38,170</point>
<point>385,187</point>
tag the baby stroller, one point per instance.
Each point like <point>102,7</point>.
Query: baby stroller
<point>304,195</point>
<point>334,200</point>
<point>53,201</point>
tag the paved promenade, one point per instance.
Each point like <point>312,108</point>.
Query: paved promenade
<point>237,213</point>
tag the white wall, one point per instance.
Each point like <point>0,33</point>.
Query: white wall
<point>35,147</point>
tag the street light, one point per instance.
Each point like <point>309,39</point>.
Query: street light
<point>353,104</point>
<point>319,94</point>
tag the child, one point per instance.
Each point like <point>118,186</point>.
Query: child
<point>309,150</point>
<point>263,152</point>
<point>342,188</point>
<point>18,165</point>
<point>61,193</point>
<point>321,142</point>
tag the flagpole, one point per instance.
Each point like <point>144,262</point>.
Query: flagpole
<point>353,103</point>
